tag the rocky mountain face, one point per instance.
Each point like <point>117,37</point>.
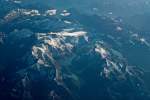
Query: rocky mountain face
<point>62,54</point>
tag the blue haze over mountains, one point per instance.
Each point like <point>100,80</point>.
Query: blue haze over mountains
<point>74,50</point>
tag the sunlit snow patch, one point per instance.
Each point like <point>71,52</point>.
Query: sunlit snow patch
<point>102,51</point>
<point>118,28</point>
<point>17,1</point>
<point>67,22</point>
<point>14,1</point>
<point>51,12</point>
<point>74,34</point>
<point>143,41</point>
<point>20,12</point>
<point>65,13</point>
<point>70,34</point>
<point>32,12</point>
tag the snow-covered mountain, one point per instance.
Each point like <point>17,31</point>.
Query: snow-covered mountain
<point>62,54</point>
